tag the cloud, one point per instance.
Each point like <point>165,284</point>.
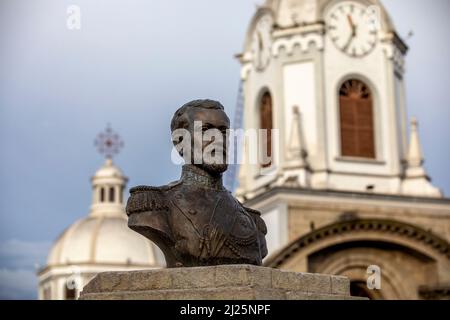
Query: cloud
<point>18,263</point>
<point>18,284</point>
<point>18,254</point>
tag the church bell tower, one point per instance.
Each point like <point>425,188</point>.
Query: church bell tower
<point>327,77</point>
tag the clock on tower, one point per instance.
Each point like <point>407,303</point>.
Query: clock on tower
<point>262,42</point>
<point>352,28</point>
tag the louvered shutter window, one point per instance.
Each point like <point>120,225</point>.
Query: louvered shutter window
<point>266,123</point>
<point>356,120</point>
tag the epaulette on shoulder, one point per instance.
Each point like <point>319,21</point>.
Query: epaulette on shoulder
<point>167,187</point>
<point>144,199</point>
<point>148,198</point>
<point>144,188</point>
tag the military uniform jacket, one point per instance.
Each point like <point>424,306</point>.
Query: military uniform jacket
<point>196,221</point>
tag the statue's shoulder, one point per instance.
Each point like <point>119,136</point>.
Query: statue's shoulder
<point>149,198</point>
<point>152,189</point>
<point>261,225</point>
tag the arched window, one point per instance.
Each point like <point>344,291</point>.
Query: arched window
<point>356,119</point>
<point>111,194</point>
<point>102,194</point>
<point>266,123</point>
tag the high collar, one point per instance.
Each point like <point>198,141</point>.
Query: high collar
<point>196,176</point>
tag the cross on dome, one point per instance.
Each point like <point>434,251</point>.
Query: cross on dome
<point>108,142</point>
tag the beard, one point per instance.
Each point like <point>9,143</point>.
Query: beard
<point>214,168</point>
<point>215,162</point>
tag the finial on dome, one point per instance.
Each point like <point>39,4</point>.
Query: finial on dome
<point>108,143</point>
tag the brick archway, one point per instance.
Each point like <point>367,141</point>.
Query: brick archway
<point>403,252</point>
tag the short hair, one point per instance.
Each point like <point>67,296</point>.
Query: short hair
<point>178,119</point>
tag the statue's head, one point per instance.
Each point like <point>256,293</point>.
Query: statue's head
<point>199,132</point>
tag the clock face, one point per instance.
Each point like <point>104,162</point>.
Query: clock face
<point>353,28</point>
<point>262,42</point>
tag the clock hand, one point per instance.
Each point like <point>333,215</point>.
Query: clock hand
<point>352,25</point>
<point>350,20</point>
<point>349,41</point>
<point>352,35</point>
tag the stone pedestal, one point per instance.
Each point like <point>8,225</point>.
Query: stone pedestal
<point>227,282</point>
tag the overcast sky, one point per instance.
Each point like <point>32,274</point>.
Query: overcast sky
<point>132,64</point>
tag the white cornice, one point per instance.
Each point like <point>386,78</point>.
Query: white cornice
<point>304,41</point>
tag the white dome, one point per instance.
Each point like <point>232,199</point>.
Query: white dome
<point>99,242</point>
<point>103,237</point>
<point>104,240</point>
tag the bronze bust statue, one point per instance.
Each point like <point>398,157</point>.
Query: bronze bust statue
<point>195,221</point>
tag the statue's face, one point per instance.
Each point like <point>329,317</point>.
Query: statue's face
<point>209,129</point>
